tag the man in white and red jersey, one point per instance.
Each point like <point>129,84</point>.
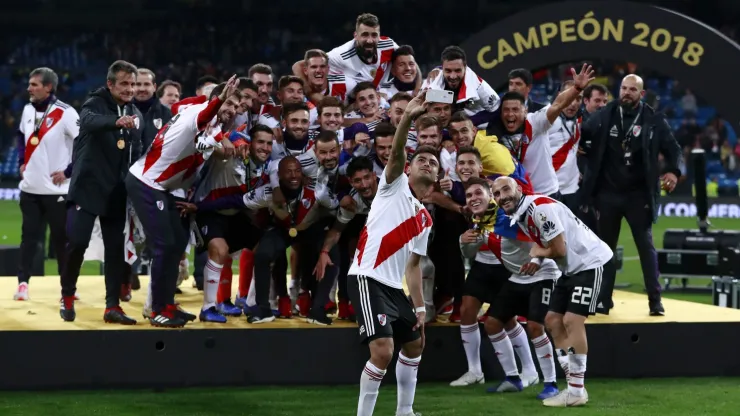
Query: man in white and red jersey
<point>565,135</point>
<point>525,134</point>
<point>171,163</point>
<point>391,245</point>
<point>226,232</point>
<point>290,91</point>
<point>300,220</point>
<point>46,131</point>
<point>559,235</point>
<point>365,58</point>
<point>314,70</point>
<point>350,220</point>
<point>404,75</point>
<point>526,290</point>
<point>472,93</point>
<point>366,101</point>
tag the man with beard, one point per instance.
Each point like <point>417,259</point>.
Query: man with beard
<point>622,178</point>
<point>314,71</point>
<point>290,91</point>
<point>485,278</point>
<point>171,164</point>
<point>367,57</point>
<point>350,220</point>
<point>525,135</point>
<point>472,93</point>
<point>226,232</point>
<point>319,166</point>
<point>524,290</point>
<point>109,140</point>
<point>301,219</point>
<point>404,74</point>
<point>565,135</point>
<point>385,314</point>
<point>521,80</point>
<point>46,134</point>
<point>295,122</point>
<point>559,235</point>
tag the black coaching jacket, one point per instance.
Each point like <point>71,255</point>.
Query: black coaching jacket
<point>657,138</point>
<point>99,165</point>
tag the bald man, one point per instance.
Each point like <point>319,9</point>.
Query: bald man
<point>623,179</point>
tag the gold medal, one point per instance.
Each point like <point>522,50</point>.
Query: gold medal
<point>121,144</point>
<point>34,141</point>
<point>292,232</point>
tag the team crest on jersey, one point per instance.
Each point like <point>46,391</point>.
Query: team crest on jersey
<point>204,230</point>
<point>49,122</point>
<point>636,130</point>
<point>423,219</point>
<point>306,203</point>
<point>373,72</point>
<point>136,122</point>
<point>160,205</point>
<point>157,123</point>
<point>381,319</point>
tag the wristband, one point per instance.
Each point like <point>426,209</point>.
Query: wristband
<point>421,309</point>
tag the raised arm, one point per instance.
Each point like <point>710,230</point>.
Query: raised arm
<point>91,119</point>
<point>397,159</point>
<point>563,100</point>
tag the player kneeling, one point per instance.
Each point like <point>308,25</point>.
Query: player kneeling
<point>526,293</point>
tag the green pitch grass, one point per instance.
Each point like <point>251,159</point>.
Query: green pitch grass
<point>648,397</point>
<point>10,234</point>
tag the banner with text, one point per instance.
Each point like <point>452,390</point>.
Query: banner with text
<point>663,40</point>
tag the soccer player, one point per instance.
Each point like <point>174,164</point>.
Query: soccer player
<point>526,291</point>
<point>404,74</point>
<point>581,256</point>
<point>525,135</point>
<point>351,218</point>
<point>392,244</point>
<point>366,57</point>
<point>565,135</point>
<point>170,164</point>
<point>46,132</point>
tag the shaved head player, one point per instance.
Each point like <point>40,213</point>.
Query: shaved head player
<point>392,243</point>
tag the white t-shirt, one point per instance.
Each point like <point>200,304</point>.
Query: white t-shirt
<point>564,137</point>
<point>532,149</point>
<point>545,218</point>
<point>362,207</point>
<point>397,225</point>
<point>173,159</point>
<point>53,152</point>
<point>344,60</point>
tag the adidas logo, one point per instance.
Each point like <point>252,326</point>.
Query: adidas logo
<point>359,74</point>
<point>61,199</point>
<point>161,319</point>
<point>600,305</point>
<point>613,132</point>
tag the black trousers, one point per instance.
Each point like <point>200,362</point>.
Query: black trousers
<point>272,248</point>
<point>347,246</point>
<point>166,237</point>
<point>37,211</point>
<point>632,206</point>
<point>444,252</point>
<point>570,201</point>
<point>80,225</point>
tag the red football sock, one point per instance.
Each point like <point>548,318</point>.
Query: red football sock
<point>246,268</point>
<point>224,285</point>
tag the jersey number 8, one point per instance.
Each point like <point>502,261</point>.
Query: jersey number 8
<point>581,295</point>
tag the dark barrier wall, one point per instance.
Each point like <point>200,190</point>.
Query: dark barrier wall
<point>671,43</point>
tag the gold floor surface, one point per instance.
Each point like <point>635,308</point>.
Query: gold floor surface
<point>41,312</point>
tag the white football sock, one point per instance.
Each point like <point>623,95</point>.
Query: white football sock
<point>252,294</point>
<point>564,361</point>
<point>520,342</point>
<point>406,369</point>
<point>543,349</point>
<point>211,277</point>
<point>369,385</point>
<point>470,335</point>
<point>504,353</point>
<point>577,374</point>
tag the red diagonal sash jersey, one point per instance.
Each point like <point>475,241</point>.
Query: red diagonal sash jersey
<point>172,160</point>
<point>397,225</point>
<point>299,210</point>
<point>564,138</point>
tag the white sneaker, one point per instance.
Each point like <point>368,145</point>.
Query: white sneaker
<point>22,292</point>
<point>529,380</point>
<point>468,379</point>
<point>566,399</point>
